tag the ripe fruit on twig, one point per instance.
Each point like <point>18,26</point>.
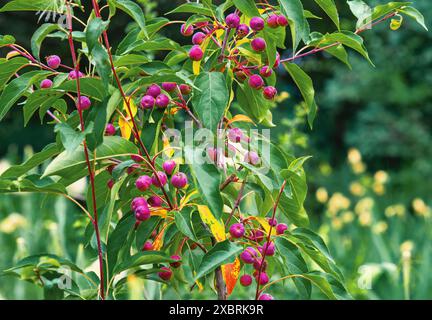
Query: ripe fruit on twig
<point>258,44</point>
<point>196,53</point>
<point>166,274</point>
<point>232,20</point>
<point>269,92</point>
<point>143,183</point>
<point>84,103</point>
<point>256,82</point>
<point>110,130</point>
<point>179,180</point>
<point>257,24</point>
<point>245,280</point>
<point>187,32</point>
<point>46,84</point>
<point>53,61</point>
<point>237,230</point>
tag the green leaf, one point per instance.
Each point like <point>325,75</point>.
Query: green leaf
<point>133,10</point>
<point>351,40</point>
<point>142,258</point>
<point>39,99</point>
<point>16,88</point>
<point>295,264</point>
<point>6,39</point>
<point>252,102</point>
<point>293,10</point>
<point>212,98</point>
<point>39,36</point>
<point>67,163</point>
<point>71,138</point>
<point>32,183</point>
<point>247,7</point>
<point>304,83</point>
<point>8,68</point>
<point>91,87</point>
<point>332,288</point>
<point>415,14</point>
<point>222,253</point>
<point>330,9</point>
<point>37,159</point>
<point>34,5</point>
<point>183,221</point>
<point>208,179</point>
<point>382,10</point>
<point>192,8</point>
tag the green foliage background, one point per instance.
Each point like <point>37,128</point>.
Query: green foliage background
<point>385,112</point>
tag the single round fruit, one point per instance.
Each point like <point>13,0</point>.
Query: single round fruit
<point>257,264</point>
<point>162,101</point>
<point>272,222</point>
<point>148,246</point>
<point>237,230</point>
<point>235,135</point>
<point>272,21</point>
<point>262,279</point>
<point>266,71</point>
<point>245,280</point>
<point>178,261</point>
<point>110,130</point>
<point>265,297</point>
<point>73,75</point>
<point>282,20</point>
<point>249,255</point>
<point>53,61</point>
<point>196,53</point>
<point>242,30</point>
<point>252,158</point>
<point>258,44</point>
<point>143,183</point>
<point>46,84</point>
<point>269,92</point>
<point>198,38</point>
<point>84,103</point>
<point>257,23</point>
<point>169,166</point>
<point>269,249</point>
<point>155,201</point>
<point>257,235</point>
<point>110,183</point>
<point>281,228</point>
<point>154,90</point>
<point>147,102</point>
<point>138,202</point>
<point>166,274</point>
<point>161,181</point>
<point>169,86</point>
<point>255,81</point>
<point>142,213</point>
<point>179,180</point>
<point>187,32</point>
<point>232,20</point>
<point>185,89</point>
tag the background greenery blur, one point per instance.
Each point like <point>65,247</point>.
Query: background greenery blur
<point>369,177</point>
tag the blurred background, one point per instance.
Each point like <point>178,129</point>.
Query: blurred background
<point>369,178</point>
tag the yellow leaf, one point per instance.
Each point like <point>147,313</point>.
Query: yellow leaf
<point>196,66</point>
<point>217,228</point>
<point>12,54</point>
<point>125,128</point>
<point>133,108</point>
<point>186,199</point>
<point>158,242</point>
<point>241,118</point>
<point>160,212</point>
<point>263,222</point>
<point>231,274</point>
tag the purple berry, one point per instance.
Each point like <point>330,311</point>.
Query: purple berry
<point>272,21</point>
<point>255,81</point>
<point>169,166</point>
<point>252,158</point>
<point>84,103</point>
<point>235,135</point>
<point>162,101</point>
<point>257,235</point>
<point>257,24</point>
<point>148,246</point>
<point>73,75</point>
<point>266,71</point>
<point>110,130</point>
<point>249,255</point>
<point>269,249</point>
<point>138,202</point>
<point>155,201</point>
<point>179,180</point>
<point>110,183</point>
<point>265,297</point>
<point>185,89</point>
<point>154,90</point>
<point>162,178</point>
<point>147,102</point>
<point>242,31</point>
<point>46,84</point>
<point>196,53</point>
<point>263,278</point>
<point>245,280</point>
<point>169,86</point>
<point>282,20</point>
<point>232,20</point>
<point>142,213</point>
<point>257,264</point>
<point>166,274</point>
<point>269,92</point>
<point>176,264</point>
<point>237,230</point>
<point>53,61</point>
<point>187,32</point>
<point>198,38</point>
<point>281,228</point>
<point>143,183</point>
<point>258,44</point>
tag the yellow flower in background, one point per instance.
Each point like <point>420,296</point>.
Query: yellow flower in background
<point>379,188</point>
<point>381,177</point>
<point>281,97</point>
<point>325,169</point>
<point>365,218</point>
<point>358,167</point>
<point>395,210</point>
<point>354,156</point>
<point>347,217</point>
<point>357,189</point>
<point>12,223</point>
<point>380,227</point>
<point>420,207</point>
<point>365,204</point>
<point>338,202</point>
<point>337,223</point>
<point>407,247</point>
<point>321,195</point>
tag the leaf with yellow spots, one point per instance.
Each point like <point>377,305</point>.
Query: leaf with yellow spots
<point>217,228</point>
<point>231,274</point>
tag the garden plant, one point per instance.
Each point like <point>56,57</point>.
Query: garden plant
<point>185,185</point>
